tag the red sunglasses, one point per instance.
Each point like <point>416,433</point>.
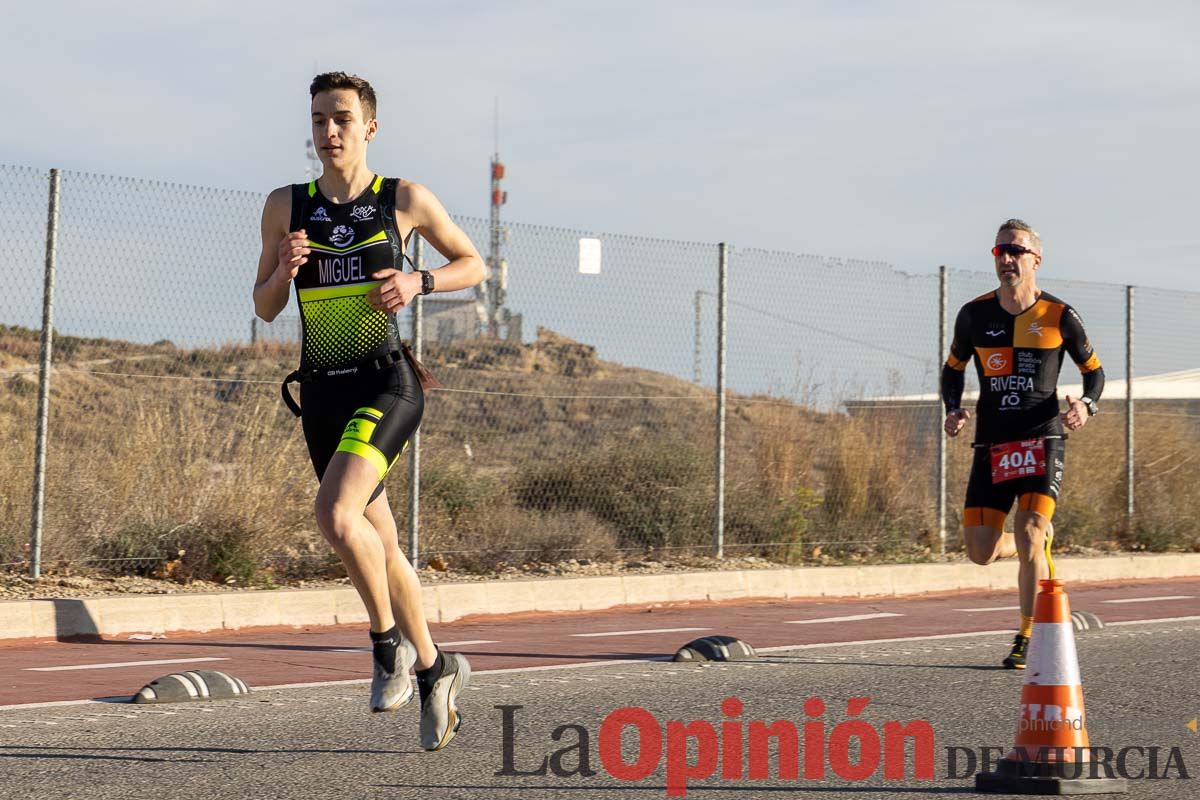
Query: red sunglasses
<point>1014,250</point>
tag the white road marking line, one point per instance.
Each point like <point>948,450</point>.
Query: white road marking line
<point>1151,599</point>
<point>588,664</point>
<point>851,618</point>
<point>122,664</point>
<point>993,608</point>
<point>635,633</point>
<point>818,645</point>
<point>1148,621</point>
<point>440,644</point>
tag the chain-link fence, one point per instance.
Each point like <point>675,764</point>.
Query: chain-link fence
<point>590,430</point>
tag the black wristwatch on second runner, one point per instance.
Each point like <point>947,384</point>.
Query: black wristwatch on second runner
<point>427,284</point>
<point>1092,407</point>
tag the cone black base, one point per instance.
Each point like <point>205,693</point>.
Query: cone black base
<point>1029,777</point>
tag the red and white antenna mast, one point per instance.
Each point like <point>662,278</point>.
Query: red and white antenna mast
<point>497,280</point>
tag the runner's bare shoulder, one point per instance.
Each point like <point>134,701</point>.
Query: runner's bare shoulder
<point>278,208</point>
<point>413,197</point>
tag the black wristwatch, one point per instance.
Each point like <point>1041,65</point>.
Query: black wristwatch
<point>426,281</point>
<point>1091,405</point>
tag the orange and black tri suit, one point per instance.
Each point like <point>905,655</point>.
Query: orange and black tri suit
<point>1018,358</point>
<point>358,394</point>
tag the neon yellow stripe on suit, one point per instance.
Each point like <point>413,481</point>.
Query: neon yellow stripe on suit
<point>367,451</point>
<point>359,430</point>
<point>334,292</point>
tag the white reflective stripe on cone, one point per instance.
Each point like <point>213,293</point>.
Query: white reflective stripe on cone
<point>1051,659</point>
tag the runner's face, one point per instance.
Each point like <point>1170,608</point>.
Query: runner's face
<point>339,131</point>
<point>1013,271</point>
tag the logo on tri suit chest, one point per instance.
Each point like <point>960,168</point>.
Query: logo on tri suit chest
<point>1035,329</point>
<point>320,215</point>
<point>342,236</point>
<point>362,213</point>
<point>995,360</point>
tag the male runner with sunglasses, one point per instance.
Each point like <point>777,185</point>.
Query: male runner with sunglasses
<point>1018,335</point>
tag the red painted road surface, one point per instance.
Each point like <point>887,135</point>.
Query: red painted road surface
<point>318,654</point>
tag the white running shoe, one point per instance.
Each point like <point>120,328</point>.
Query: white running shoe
<point>440,718</point>
<point>391,690</point>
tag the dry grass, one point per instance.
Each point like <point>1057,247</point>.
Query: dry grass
<point>210,478</point>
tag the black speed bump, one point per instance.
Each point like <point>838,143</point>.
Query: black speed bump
<point>716,648</point>
<point>1085,621</point>
<point>182,687</point>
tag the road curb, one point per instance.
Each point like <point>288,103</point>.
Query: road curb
<point>116,615</point>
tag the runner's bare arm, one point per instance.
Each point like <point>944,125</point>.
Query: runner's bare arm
<point>282,255</point>
<point>423,213</point>
<point>464,267</point>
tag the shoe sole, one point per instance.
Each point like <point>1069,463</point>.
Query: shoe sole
<point>396,706</point>
<point>461,678</point>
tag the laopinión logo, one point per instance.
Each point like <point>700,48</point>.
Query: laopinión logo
<point>739,750</point>
<point>736,749</point>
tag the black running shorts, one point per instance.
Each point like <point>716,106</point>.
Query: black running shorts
<point>988,503</point>
<point>370,413</point>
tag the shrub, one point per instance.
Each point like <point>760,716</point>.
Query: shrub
<point>655,494</point>
<point>218,549</point>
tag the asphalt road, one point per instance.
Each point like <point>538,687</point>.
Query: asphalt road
<point>1139,685</point>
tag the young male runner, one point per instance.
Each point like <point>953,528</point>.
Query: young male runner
<point>1018,335</point>
<point>340,241</point>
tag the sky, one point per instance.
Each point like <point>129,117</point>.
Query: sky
<point>885,131</point>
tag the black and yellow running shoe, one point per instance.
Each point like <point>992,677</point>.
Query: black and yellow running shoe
<point>1016,657</point>
<point>1049,541</point>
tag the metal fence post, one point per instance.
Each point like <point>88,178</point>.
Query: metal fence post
<point>943,345</point>
<point>722,325</point>
<point>414,448</point>
<point>1129,486</point>
<point>43,410</point>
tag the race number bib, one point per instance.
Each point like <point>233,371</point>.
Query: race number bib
<point>1018,459</point>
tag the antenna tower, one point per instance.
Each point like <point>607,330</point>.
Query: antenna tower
<point>496,291</point>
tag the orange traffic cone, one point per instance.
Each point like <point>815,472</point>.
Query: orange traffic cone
<point>1051,755</point>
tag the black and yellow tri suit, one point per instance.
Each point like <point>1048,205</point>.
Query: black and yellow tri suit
<point>1018,358</point>
<point>358,394</point>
